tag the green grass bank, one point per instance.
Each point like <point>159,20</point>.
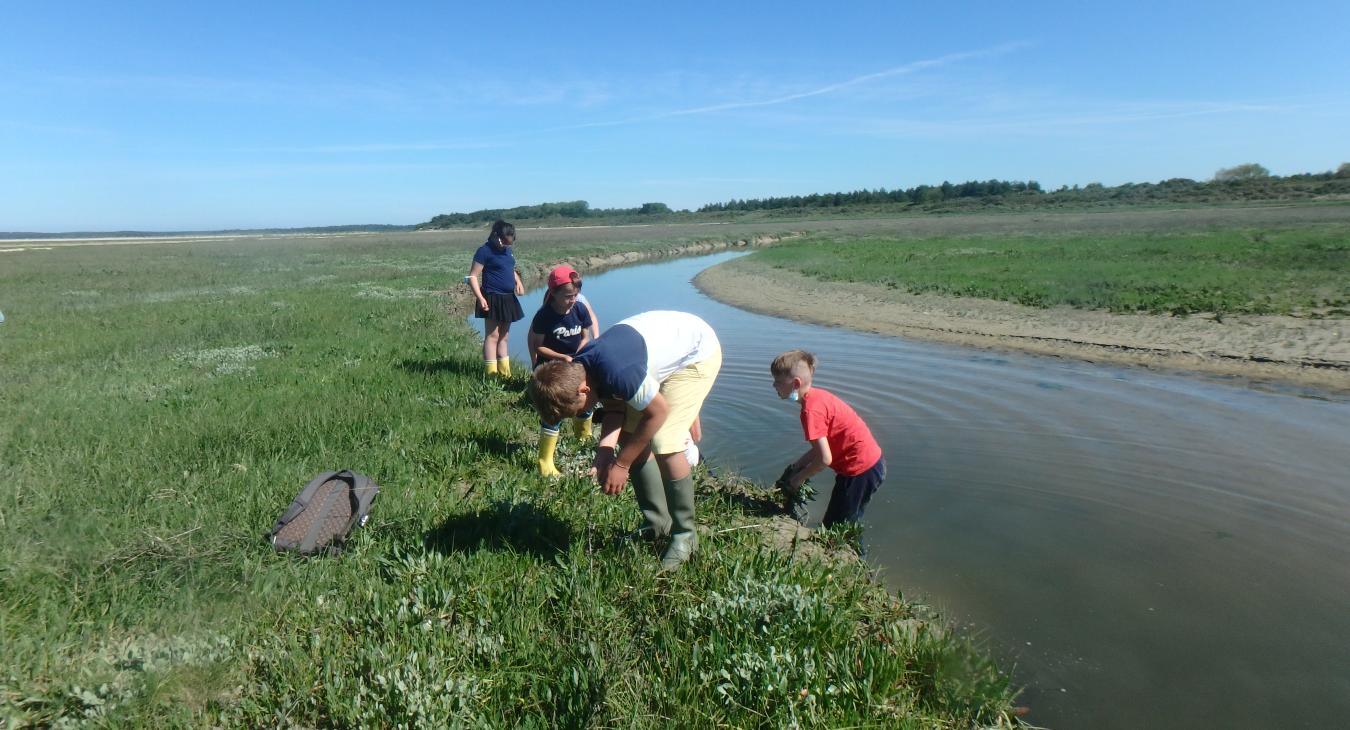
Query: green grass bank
<point>1294,270</point>
<point>162,403</point>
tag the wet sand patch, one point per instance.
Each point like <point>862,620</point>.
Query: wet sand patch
<point>1281,349</point>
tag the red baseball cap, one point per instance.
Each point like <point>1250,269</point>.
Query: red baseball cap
<point>563,275</point>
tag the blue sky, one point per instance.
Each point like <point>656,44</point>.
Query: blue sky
<point>181,115</point>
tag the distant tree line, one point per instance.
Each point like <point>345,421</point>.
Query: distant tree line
<point>916,195</point>
<point>1248,181</point>
<point>568,209</point>
<point>1245,182</point>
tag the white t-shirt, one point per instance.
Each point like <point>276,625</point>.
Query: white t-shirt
<point>632,358</point>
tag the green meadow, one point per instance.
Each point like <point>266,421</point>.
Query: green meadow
<point>1301,270</point>
<point>161,404</point>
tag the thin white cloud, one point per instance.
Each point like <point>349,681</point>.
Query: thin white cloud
<point>906,69</point>
<point>226,90</point>
<point>1006,120</point>
<point>1128,117</point>
<point>200,173</point>
<point>1068,119</point>
<point>383,147</point>
<point>500,140</point>
<point>323,91</point>
<point>694,181</point>
<point>61,129</point>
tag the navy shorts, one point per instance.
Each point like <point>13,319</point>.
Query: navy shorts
<point>851,494</point>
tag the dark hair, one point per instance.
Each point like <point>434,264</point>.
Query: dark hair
<point>502,229</point>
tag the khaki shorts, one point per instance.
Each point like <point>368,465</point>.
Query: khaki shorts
<point>684,392</point>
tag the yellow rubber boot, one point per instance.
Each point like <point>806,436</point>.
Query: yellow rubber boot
<point>581,428</point>
<point>548,443</point>
<point>504,367</point>
<point>491,366</point>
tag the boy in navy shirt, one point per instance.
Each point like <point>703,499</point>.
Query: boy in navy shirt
<point>653,371</point>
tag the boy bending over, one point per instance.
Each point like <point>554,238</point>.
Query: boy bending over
<point>653,371</point>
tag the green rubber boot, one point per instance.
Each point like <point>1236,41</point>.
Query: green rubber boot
<point>684,532</point>
<point>651,499</point>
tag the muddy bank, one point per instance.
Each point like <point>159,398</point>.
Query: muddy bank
<point>535,274</point>
<point>1304,352</point>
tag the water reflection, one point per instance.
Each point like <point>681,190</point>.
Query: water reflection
<point>1149,550</point>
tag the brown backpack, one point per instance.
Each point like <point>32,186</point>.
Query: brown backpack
<point>324,514</point>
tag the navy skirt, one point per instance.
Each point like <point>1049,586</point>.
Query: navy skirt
<point>501,307</point>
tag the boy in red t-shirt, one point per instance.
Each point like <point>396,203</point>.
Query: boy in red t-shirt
<point>839,439</point>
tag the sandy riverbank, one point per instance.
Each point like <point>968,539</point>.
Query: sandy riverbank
<point>1305,352</point>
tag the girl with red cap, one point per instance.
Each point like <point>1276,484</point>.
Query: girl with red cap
<point>559,330</point>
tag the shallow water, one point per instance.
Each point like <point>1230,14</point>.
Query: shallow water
<point>1143,550</point>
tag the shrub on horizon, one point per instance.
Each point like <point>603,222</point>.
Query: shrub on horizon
<point>1247,171</point>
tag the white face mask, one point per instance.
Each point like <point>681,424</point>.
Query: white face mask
<point>794,396</point>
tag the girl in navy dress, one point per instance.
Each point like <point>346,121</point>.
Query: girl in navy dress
<point>496,286</point>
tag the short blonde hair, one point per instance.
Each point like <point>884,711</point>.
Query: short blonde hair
<point>793,362</point>
<point>553,390</point>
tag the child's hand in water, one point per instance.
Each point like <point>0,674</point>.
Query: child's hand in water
<point>784,487</point>
<point>794,498</point>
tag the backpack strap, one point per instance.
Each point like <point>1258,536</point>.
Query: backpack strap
<point>365,490</point>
